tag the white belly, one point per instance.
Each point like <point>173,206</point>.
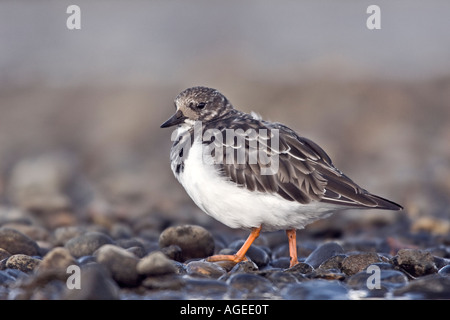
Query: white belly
<point>238,207</point>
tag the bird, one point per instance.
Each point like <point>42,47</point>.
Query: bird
<point>253,174</point>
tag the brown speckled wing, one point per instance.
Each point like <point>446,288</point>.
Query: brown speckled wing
<point>304,173</point>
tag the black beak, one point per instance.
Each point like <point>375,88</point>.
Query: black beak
<point>177,118</point>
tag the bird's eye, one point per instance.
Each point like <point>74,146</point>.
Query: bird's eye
<point>200,105</point>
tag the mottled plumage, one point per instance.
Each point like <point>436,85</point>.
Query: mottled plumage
<point>256,174</point>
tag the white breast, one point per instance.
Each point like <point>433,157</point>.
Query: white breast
<point>238,207</point>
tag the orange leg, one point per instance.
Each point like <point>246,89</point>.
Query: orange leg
<point>240,255</point>
<point>292,236</point>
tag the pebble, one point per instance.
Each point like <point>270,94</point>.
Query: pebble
<point>121,263</point>
<point>154,264</point>
<point>432,286</point>
<point>95,284</point>
<point>255,253</point>
<point>164,282</point>
<point>22,262</point>
<point>199,288</point>
<point>445,271</point>
<point>16,242</point>
<point>194,241</point>
<point>134,267</point>
<point>357,262</point>
<point>301,267</point>
<point>58,259</point>
<point>250,286</point>
<point>334,262</point>
<point>416,262</point>
<point>315,290</point>
<point>205,269</point>
<point>323,253</point>
<point>4,254</point>
<point>389,279</point>
<point>86,244</point>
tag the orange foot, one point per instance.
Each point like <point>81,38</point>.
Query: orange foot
<point>240,255</point>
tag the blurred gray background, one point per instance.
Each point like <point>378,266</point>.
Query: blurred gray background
<point>80,109</point>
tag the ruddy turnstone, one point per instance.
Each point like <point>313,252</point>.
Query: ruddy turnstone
<point>254,174</point>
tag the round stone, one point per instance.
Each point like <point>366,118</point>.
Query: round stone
<point>16,242</point>
<point>195,241</point>
<point>86,244</point>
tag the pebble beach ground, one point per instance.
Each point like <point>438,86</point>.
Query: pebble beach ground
<point>88,213</point>
<point>144,260</point>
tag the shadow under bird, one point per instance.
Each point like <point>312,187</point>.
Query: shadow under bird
<point>254,174</point>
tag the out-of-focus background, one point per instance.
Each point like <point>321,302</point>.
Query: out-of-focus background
<point>80,109</point>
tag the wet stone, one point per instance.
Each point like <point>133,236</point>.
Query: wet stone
<point>58,258</point>
<point>255,253</point>
<point>334,262</point>
<point>357,262</point>
<point>4,254</point>
<point>173,252</point>
<point>155,263</point>
<point>164,282</point>
<point>22,262</point>
<point>199,288</point>
<point>121,263</point>
<point>205,269</point>
<point>244,266</point>
<point>87,243</point>
<point>249,286</point>
<point>432,286</point>
<point>301,267</point>
<point>388,279</point>
<point>194,241</point>
<point>95,284</point>
<point>315,290</point>
<point>16,242</point>
<point>415,262</point>
<point>323,253</point>
<point>445,271</point>
<point>328,274</point>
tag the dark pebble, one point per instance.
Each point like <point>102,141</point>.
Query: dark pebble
<point>432,286</point>
<point>86,244</point>
<point>315,290</point>
<point>357,262</point>
<point>174,252</point>
<point>95,284</point>
<point>389,279</point>
<point>416,262</point>
<point>445,271</point>
<point>198,288</point>
<point>323,253</point>
<point>22,262</point>
<point>334,262</point>
<point>164,282</point>
<point>16,242</point>
<point>301,267</point>
<point>244,266</point>
<point>250,286</point>
<point>254,253</point>
<point>205,269</point>
<point>121,263</point>
<point>194,241</point>
<point>281,279</point>
<point>4,254</point>
<point>327,274</point>
<point>155,263</point>
<point>58,258</point>
<point>282,263</point>
<point>86,260</point>
<point>137,251</point>
<point>5,278</point>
